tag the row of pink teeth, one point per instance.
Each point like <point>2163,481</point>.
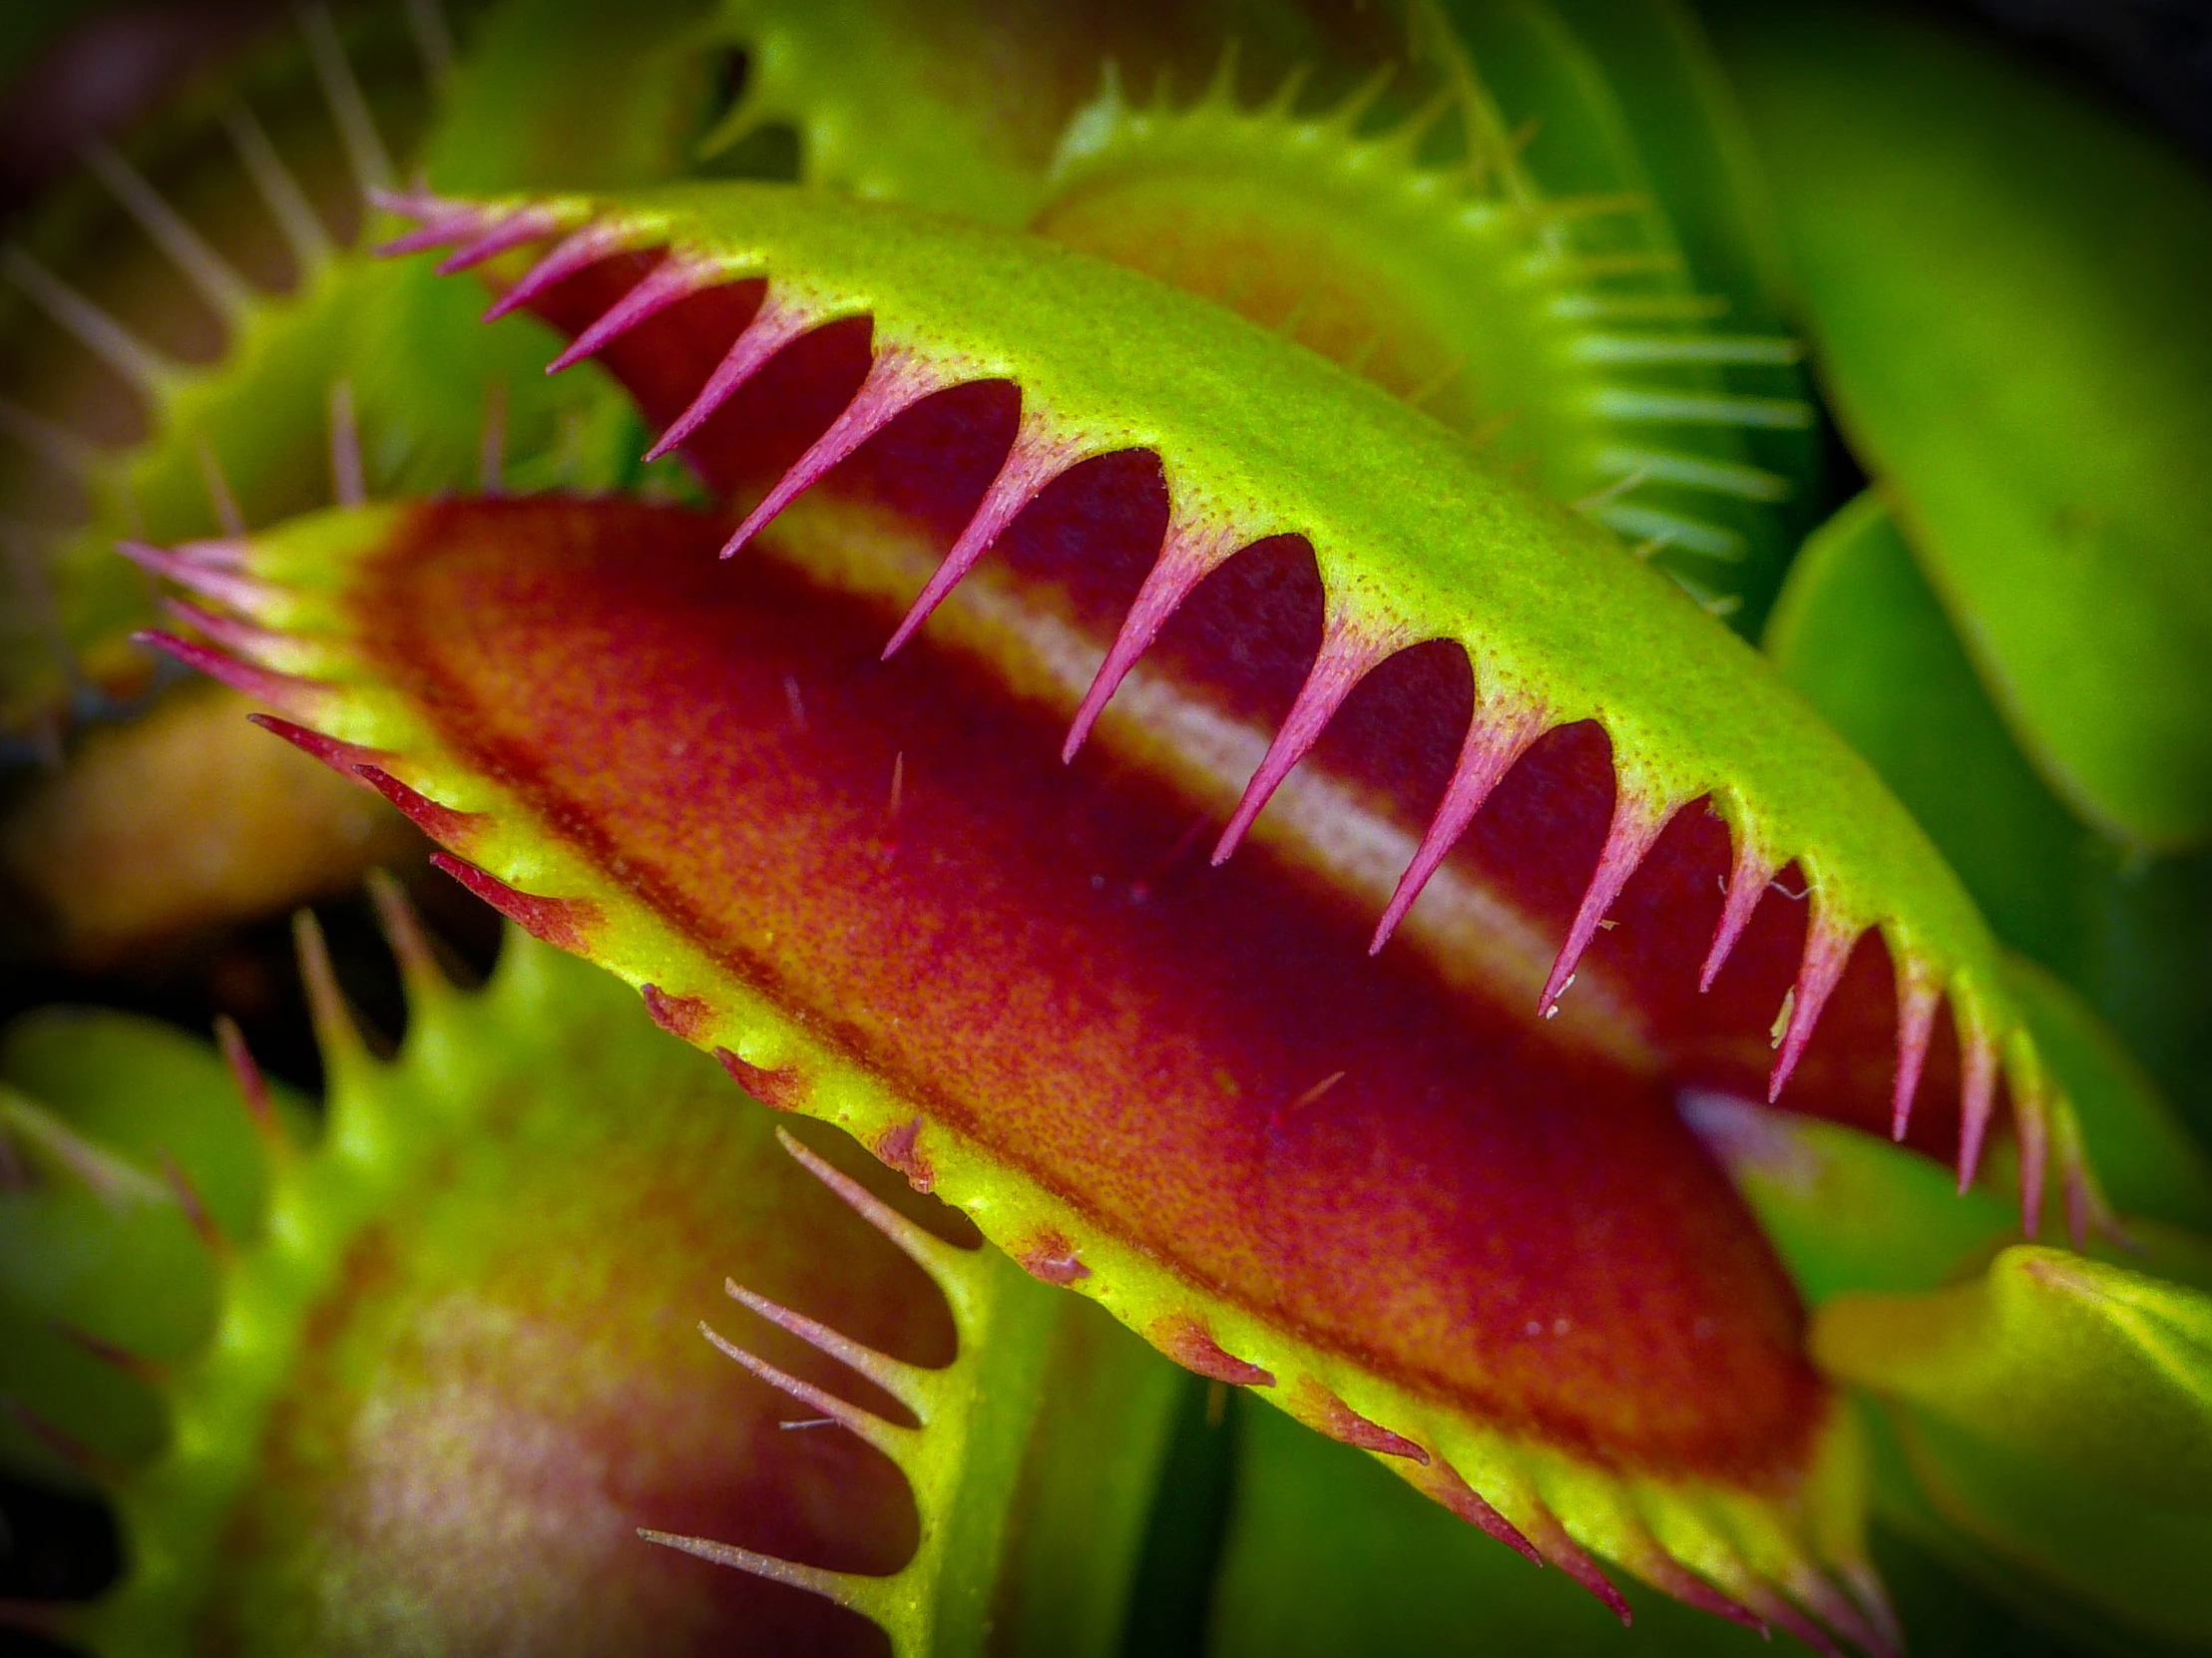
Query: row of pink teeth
<point>1496,737</point>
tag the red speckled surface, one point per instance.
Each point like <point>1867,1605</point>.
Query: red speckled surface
<point>1477,1210</point>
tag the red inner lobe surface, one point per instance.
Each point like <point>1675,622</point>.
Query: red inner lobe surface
<point>1250,632</point>
<point>1039,957</point>
<point>482,1411</point>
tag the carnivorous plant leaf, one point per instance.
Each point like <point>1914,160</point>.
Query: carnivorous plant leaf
<point>451,1371</point>
<point>558,691</point>
<point>2005,288</point>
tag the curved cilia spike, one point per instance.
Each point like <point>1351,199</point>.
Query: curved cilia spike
<point>1454,281</point>
<point>1384,1192</point>
<point>434,1371</point>
<point>1454,561</point>
<point>242,437</point>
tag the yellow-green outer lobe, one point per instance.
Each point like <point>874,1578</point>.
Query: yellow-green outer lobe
<point>2005,288</point>
<point>1414,540</point>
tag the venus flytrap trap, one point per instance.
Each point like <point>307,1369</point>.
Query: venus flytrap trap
<point>383,1358</point>
<point>1431,1112</point>
<point>436,652</point>
<point>332,376</point>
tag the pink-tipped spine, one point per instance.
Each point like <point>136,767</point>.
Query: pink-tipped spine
<point>439,223</point>
<point>1190,552</point>
<point>835,1587</point>
<point>1449,1486</point>
<point>2031,1124</point>
<point>1828,944</point>
<point>885,1372</point>
<point>1035,460</point>
<point>247,594</point>
<point>1747,884</point>
<point>516,229</point>
<point>896,381</point>
<point>570,255</point>
<point>1976,1097</point>
<point>819,1400</point>
<point>1663,1572</point>
<point>1494,741</point>
<point>246,1072</point>
<point>1917,996</point>
<point>341,757</point>
<point>1842,1613</point>
<point>674,277</point>
<point>1636,822</point>
<point>282,690</point>
<point>773,326</point>
<point>1772,1607</point>
<point>1346,655</point>
<point>1560,1549</point>
<point>240,638</point>
<point>439,821</point>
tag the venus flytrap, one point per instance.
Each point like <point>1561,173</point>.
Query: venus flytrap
<point>1043,579</point>
<point>420,1336</point>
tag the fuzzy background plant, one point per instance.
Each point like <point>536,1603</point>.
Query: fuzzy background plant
<point>1659,549</point>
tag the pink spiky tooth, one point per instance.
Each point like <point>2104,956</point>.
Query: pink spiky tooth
<point>340,756</point>
<point>1747,884</point>
<point>896,381</point>
<point>773,326</point>
<point>442,823</point>
<point>1560,1549</point>
<point>1917,996</point>
<point>439,222</point>
<point>516,229</point>
<point>674,277</point>
<point>562,923</point>
<point>1841,1612</point>
<point>1866,1592</point>
<point>1776,1609</point>
<point>215,553</point>
<point>282,690</point>
<point>240,638</point>
<point>1194,547</point>
<point>1318,1405</point>
<point>418,201</point>
<point>221,581</point>
<point>1347,653</point>
<point>1977,1097</point>
<point>863,1424</point>
<point>1444,1482</point>
<point>834,1586</point>
<point>1035,460</point>
<point>884,1370</point>
<point>1668,1575</point>
<point>2086,1210</point>
<point>573,253</point>
<point>252,1087</point>
<point>1185,1339</point>
<point>1636,822</point>
<point>1494,741</point>
<point>1828,944</point>
<point>2031,1125</point>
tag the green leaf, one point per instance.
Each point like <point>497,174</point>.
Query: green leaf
<point>1328,1554</point>
<point>152,1094</point>
<point>2146,1159</point>
<point>1846,1211</point>
<point>2102,1569</point>
<point>2085,1365</point>
<point>85,1235</point>
<point>1859,631</point>
<point>2005,289</point>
